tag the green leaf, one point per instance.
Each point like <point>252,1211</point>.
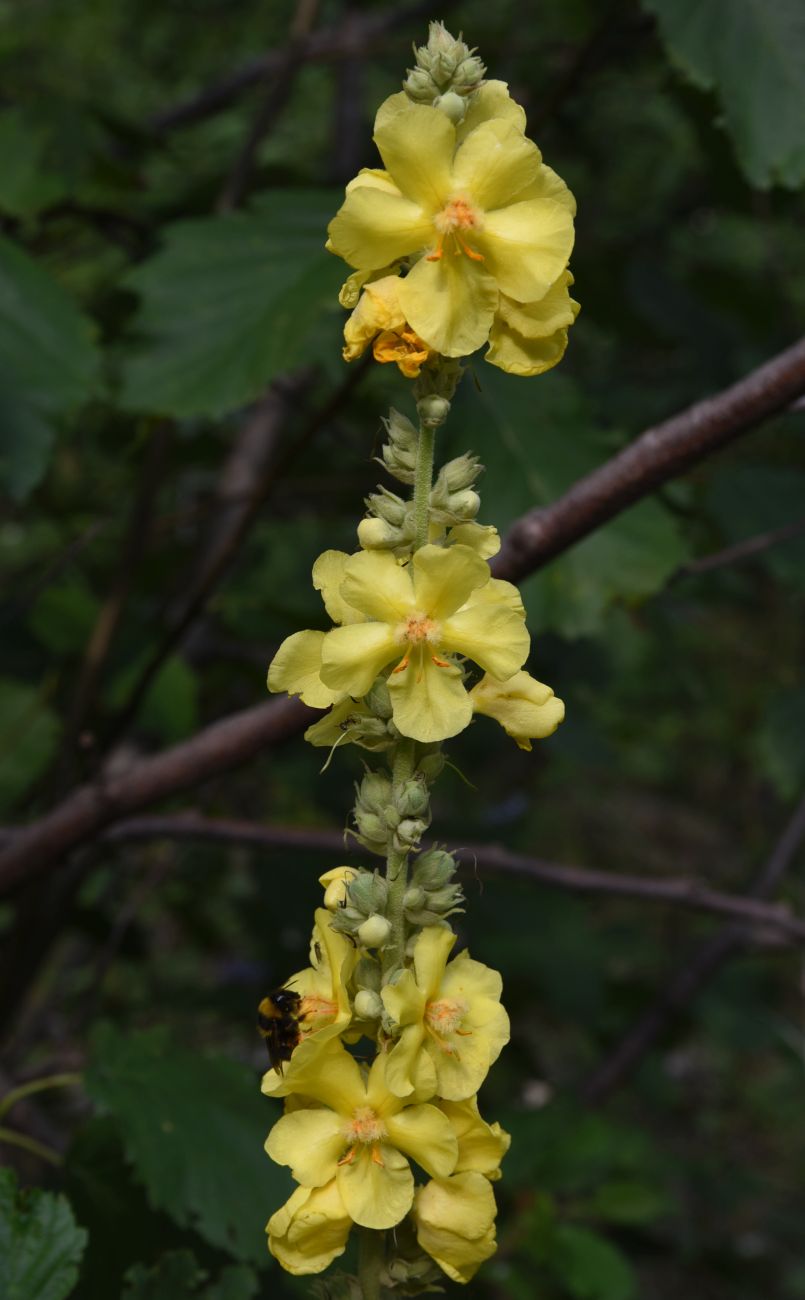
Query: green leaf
<point>781,743</point>
<point>170,706</point>
<point>536,439</point>
<point>27,184</point>
<point>40,1243</point>
<point>229,302</point>
<point>48,365</point>
<point>193,1128</point>
<point>629,1202</point>
<point>751,53</point>
<point>178,1276</point>
<point>63,616</point>
<point>29,734</point>
<point>589,1267</point>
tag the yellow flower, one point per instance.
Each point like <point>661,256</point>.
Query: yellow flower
<point>477,211</point>
<point>525,708</point>
<point>310,1230</point>
<point>334,884</point>
<point>452,1025</point>
<point>296,667</point>
<point>440,605</point>
<point>528,338</point>
<point>379,320</point>
<point>481,1146</point>
<point>455,1223</point>
<point>360,1134</point>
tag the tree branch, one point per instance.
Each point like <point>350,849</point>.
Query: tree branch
<point>659,454</point>
<point>690,976</point>
<point>490,857</point>
<point>653,458</point>
<point>341,40</point>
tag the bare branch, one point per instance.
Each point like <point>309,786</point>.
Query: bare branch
<point>656,456</point>
<point>489,857</point>
<point>691,975</point>
<point>744,550</point>
<point>341,40</point>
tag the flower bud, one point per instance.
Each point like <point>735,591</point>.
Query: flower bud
<point>420,86</point>
<point>387,505</point>
<point>453,105</point>
<point>411,798</point>
<point>399,453</point>
<point>335,884</point>
<point>431,765</point>
<point>368,892</point>
<point>376,535</point>
<point>379,700</point>
<point>468,76</point>
<point>372,831</point>
<point>460,473</point>
<point>463,506</point>
<point>433,410</point>
<point>409,833</point>
<point>374,932</point>
<point>374,791</point>
<point>414,897</point>
<point>433,869</point>
<point>367,1004</point>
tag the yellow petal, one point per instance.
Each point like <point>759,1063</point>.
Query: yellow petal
<point>482,538</point>
<point>492,635</point>
<point>352,657</point>
<point>481,1146</point>
<point>390,108</point>
<point>444,578</point>
<point>429,702</point>
<point>417,146</point>
<point>378,309</point>
<point>375,228</point>
<point>328,574</point>
<point>556,310</point>
<point>403,999</point>
<point>525,708</point>
<point>492,101</point>
<point>409,1069</point>
<point>296,666</point>
<point>310,1142</point>
<point>498,592</point>
<point>494,163</point>
<point>548,185</point>
<point>377,1192</point>
<point>376,585</point>
<point>518,355</point>
<point>450,303</point>
<point>527,246</point>
<point>431,951</point>
<point>455,1222</point>
<point>310,1230</point>
<point>373,178</point>
<point>426,1135</point>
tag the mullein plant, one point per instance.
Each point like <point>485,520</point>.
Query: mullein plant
<point>460,240</point>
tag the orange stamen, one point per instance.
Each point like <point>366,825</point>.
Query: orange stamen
<point>377,1159</point>
<point>440,663</point>
<point>348,1158</point>
<point>402,664</point>
<point>471,253</point>
<point>434,257</point>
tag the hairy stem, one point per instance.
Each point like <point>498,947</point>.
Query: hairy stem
<point>371,1253</point>
<point>37,1085</point>
<point>397,866</point>
<point>422,484</point>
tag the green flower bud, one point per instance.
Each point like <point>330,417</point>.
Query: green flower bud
<point>420,86</point>
<point>453,105</point>
<point>368,893</point>
<point>377,535</point>
<point>379,700</point>
<point>372,831</point>
<point>447,900</point>
<point>374,932</point>
<point>368,975</point>
<point>463,506</point>
<point>468,76</point>
<point>433,869</point>
<point>387,505</point>
<point>374,791</point>
<point>399,453</point>
<point>460,473</point>
<point>409,833</point>
<point>367,1004</point>
<point>414,897</point>
<point>411,799</point>
<point>431,765</point>
<point>433,410</point>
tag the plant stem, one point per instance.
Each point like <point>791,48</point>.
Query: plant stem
<point>371,1254</point>
<point>422,484</point>
<point>397,865</point>
<point>37,1085</point>
<point>13,1138</point>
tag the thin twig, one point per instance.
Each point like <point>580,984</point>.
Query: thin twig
<point>659,454</point>
<point>655,457</point>
<point>690,976</point>
<point>341,40</point>
<point>744,550</point>
<point>278,89</point>
<point>489,857</point>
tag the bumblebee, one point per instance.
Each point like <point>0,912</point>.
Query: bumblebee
<point>278,1019</point>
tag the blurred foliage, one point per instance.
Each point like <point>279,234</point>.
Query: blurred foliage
<point>140,319</point>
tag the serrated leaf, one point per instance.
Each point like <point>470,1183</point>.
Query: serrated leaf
<point>40,1243</point>
<point>48,365</point>
<point>536,440</point>
<point>589,1267</point>
<point>228,303</point>
<point>193,1129</point>
<point>29,734</point>
<point>751,52</point>
<point>178,1276</point>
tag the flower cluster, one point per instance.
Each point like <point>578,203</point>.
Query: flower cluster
<point>350,1130</point>
<point>378,1049</point>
